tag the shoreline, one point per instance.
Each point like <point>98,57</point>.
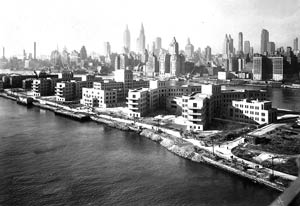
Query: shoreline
<point>169,139</point>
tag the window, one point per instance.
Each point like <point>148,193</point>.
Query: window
<point>194,104</point>
<point>263,119</point>
<point>263,114</point>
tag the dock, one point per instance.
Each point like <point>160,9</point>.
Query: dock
<point>73,115</point>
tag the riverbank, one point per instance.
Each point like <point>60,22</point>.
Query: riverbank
<point>172,141</point>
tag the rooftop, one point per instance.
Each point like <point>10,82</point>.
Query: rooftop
<point>252,101</point>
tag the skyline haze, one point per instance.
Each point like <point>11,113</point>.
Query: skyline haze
<point>90,23</point>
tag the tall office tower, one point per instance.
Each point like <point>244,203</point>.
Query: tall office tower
<point>208,53</point>
<point>138,45</point>
<point>117,62</point>
<point>271,47</point>
<point>107,49</point>
<point>277,68</point>
<point>264,41</point>
<point>296,44</point>
<point>173,47</point>
<point>65,57</point>
<point>189,50</point>
<point>251,51</point>
<point>34,50</point>
<point>226,47</point>
<point>126,38</point>
<point>24,55</point>
<point>142,40</point>
<point>240,46</point>
<point>231,48</point>
<point>247,47</point>
<point>153,47</point>
<point>124,61</point>
<point>175,59</point>
<point>83,53</point>
<point>158,43</point>
<point>164,63</point>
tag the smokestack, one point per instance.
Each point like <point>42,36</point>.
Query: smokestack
<point>3,53</point>
<point>34,52</point>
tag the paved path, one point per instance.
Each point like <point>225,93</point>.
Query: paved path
<point>224,151</point>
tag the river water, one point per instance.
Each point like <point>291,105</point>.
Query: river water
<point>50,160</point>
<point>284,98</point>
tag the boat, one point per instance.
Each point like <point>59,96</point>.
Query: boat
<point>291,86</point>
<point>27,101</point>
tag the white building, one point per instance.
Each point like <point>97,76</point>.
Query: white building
<point>194,110</point>
<point>123,81</point>
<point>252,111</point>
<point>141,101</point>
<point>99,98</point>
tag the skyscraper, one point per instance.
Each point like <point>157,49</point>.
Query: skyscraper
<point>264,41</point>
<point>175,60</point>
<point>141,41</point>
<point>107,49</point>
<point>231,49</point>
<point>296,44</point>
<point>247,47</point>
<point>208,53</point>
<point>240,46</point>
<point>34,50</point>
<point>270,47</point>
<point>173,48</point>
<point>158,43</point>
<point>226,47</point>
<point>164,63</point>
<point>126,38</point>
<point>189,50</point>
<point>83,53</point>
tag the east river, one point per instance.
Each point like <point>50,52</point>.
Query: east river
<point>50,160</point>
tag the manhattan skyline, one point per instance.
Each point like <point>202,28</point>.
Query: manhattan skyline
<point>91,23</point>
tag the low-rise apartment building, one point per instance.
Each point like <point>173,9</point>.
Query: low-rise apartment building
<point>43,87</point>
<point>197,104</point>
<point>70,90</point>
<point>100,98</point>
<point>120,86</point>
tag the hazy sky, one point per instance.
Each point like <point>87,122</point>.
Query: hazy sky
<point>91,22</point>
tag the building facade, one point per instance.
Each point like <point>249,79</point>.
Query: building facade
<point>264,39</point>
<point>43,87</point>
<point>252,111</point>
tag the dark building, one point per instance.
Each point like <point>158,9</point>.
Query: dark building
<point>264,41</point>
<point>83,53</point>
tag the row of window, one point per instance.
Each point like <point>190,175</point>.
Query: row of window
<point>253,118</point>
